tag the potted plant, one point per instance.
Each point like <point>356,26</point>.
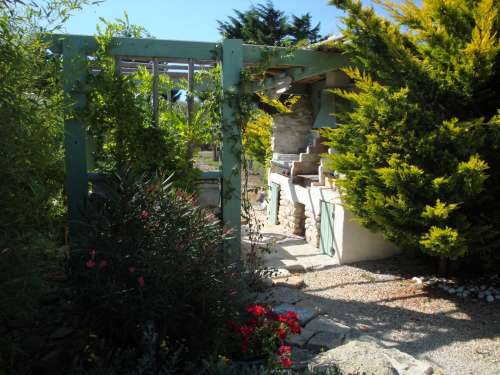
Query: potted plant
<point>260,338</point>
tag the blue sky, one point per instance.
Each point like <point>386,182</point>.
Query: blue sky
<point>192,19</point>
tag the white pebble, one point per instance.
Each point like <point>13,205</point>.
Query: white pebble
<point>490,298</point>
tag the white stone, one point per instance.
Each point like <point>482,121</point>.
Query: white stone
<point>367,356</point>
<point>490,298</point>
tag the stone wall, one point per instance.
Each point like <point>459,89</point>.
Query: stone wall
<point>291,216</point>
<point>291,131</point>
<point>312,228</point>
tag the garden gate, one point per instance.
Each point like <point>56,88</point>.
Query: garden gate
<point>285,68</point>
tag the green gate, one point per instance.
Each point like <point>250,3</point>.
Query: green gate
<point>272,208</point>
<point>327,243</point>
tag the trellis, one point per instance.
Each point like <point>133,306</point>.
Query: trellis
<point>285,67</point>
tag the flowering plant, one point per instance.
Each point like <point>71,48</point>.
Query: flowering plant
<point>262,335</point>
<point>151,255</point>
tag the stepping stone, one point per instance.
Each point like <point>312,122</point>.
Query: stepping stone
<point>326,340</point>
<point>329,334</point>
<point>305,314</point>
<point>282,294</point>
<point>301,339</point>
<point>367,356</point>
<point>294,281</point>
<point>300,358</point>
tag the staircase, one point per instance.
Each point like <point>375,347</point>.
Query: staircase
<point>305,170</point>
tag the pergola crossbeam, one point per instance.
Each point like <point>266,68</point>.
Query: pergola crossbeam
<point>181,59</point>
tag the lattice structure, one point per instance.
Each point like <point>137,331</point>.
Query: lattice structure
<point>179,60</point>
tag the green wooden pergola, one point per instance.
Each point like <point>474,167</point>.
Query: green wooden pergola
<point>299,68</point>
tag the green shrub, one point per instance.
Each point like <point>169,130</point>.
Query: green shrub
<point>420,148</point>
<point>151,255</point>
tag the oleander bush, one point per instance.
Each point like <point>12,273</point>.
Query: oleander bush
<point>152,259</point>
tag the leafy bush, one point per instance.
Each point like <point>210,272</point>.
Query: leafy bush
<point>152,256</point>
<point>420,148</point>
<point>31,158</point>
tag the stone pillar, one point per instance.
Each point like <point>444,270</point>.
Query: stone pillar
<point>312,225</point>
<point>291,216</point>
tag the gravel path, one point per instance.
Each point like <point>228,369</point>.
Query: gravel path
<point>458,336</point>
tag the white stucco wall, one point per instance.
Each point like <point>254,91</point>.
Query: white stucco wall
<point>354,242</point>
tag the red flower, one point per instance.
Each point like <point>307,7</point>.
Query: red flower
<point>286,362</point>
<point>294,328</point>
<point>103,263</point>
<point>285,349</point>
<point>145,214</point>
<point>140,281</point>
<point>131,269</point>
<point>246,330</point>
<point>281,333</point>
<point>256,310</point>
<point>90,263</point>
<point>292,315</point>
<point>282,318</point>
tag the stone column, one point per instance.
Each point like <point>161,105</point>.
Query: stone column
<point>312,228</point>
<point>291,216</point>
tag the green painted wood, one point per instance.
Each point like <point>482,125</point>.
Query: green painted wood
<point>334,62</point>
<point>327,244</point>
<point>232,63</point>
<point>273,207</point>
<point>74,135</point>
<point>146,47</point>
<point>252,54</point>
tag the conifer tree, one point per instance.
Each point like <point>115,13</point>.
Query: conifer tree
<point>265,25</point>
<point>420,150</point>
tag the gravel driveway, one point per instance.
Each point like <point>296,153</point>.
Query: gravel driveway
<point>458,336</point>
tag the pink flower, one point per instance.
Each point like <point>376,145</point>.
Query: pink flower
<point>140,281</point>
<point>90,263</point>
<point>286,362</point>
<point>92,253</point>
<point>281,333</point>
<point>284,349</point>
<point>131,269</point>
<point>145,214</point>
<point>256,310</point>
<point>103,263</point>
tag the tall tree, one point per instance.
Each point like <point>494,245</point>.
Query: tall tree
<point>264,24</point>
<point>302,29</point>
<point>420,147</point>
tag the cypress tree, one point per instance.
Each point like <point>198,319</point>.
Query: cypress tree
<point>419,148</point>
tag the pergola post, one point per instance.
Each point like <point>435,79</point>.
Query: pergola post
<point>232,63</point>
<point>74,76</point>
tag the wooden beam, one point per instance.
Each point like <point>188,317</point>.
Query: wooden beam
<point>74,76</point>
<point>232,63</point>
<point>299,73</point>
<point>156,94</point>
<point>140,48</point>
<point>190,97</point>
<point>285,56</point>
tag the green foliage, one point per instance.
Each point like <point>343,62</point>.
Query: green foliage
<point>419,150</point>
<point>265,25</point>
<point>120,120</point>
<point>31,159</point>
<point>152,255</point>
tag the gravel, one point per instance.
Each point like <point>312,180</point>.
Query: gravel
<point>456,335</point>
